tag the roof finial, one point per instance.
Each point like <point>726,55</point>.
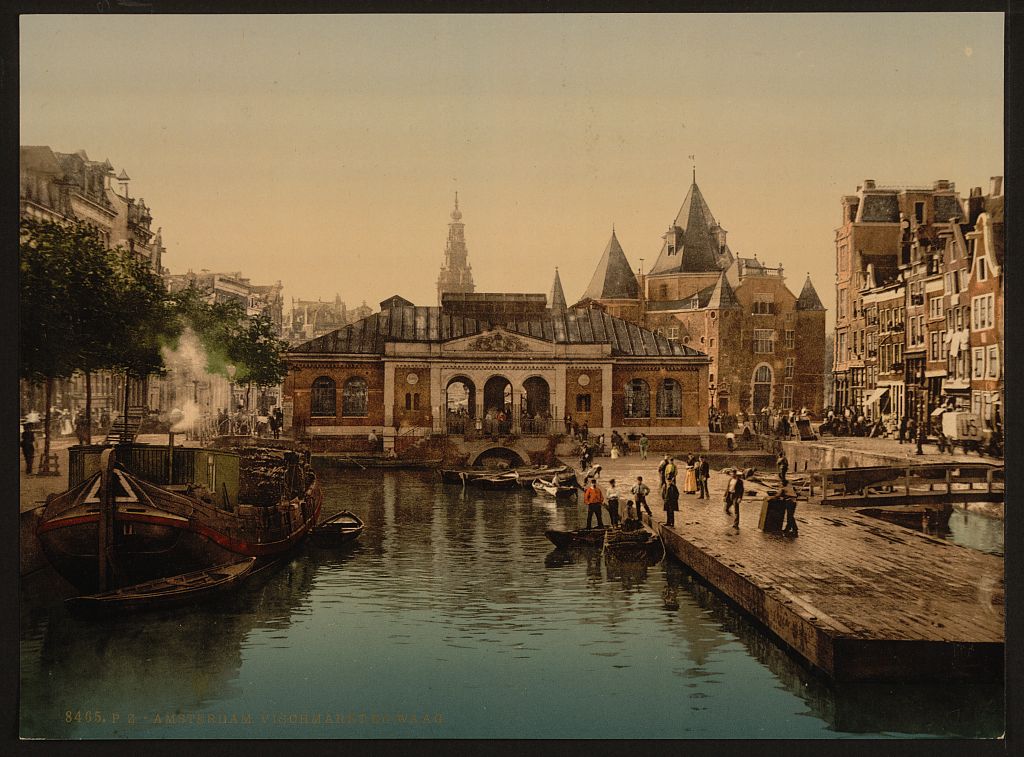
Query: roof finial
<point>456,199</point>
<point>693,158</point>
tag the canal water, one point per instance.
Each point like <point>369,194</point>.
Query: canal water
<point>453,617</point>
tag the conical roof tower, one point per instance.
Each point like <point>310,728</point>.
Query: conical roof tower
<point>723,296</point>
<point>556,299</point>
<point>808,299</point>
<point>613,279</point>
<point>690,244</point>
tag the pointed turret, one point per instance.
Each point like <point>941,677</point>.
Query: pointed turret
<point>456,274</point>
<point>692,242</point>
<point>808,299</point>
<point>722,296</point>
<point>613,279</point>
<point>556,300</point>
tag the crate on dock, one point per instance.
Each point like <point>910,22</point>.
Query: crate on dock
<point>773,510</point>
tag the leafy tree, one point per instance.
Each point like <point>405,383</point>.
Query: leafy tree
<point>64,276</point>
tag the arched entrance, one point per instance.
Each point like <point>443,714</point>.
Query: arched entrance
<point>762,390</point>
<point>498,457</point>
<point>535,409</point>
<point>498,405</point>
<point>460,403</point>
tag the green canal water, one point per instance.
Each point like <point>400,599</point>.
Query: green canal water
<point>454,617</point>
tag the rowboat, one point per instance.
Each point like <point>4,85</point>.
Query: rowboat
<point>638,545</point>
<point>171,591</point>
<point>577,538</point>
<point>502,481</point>
<point>140,513</point>
<point>339,529</point>
<point>523,476</point>
<point>553,488</point>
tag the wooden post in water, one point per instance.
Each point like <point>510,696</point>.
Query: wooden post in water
<point>949,481</point>
<point>105,524</point>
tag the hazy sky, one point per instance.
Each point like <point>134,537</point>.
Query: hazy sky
<point>324,150</point>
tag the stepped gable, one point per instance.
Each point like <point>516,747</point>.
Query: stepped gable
<point>423,324</point>
<point>690,246</point>
<point>613,279</point>
<point>808,299</point>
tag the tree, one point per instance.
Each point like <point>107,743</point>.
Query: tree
<point>65,275</point>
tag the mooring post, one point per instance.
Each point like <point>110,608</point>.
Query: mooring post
<point>106,519</point>
<point>949,482</point>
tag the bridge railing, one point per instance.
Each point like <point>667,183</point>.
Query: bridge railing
<point>937,477</point>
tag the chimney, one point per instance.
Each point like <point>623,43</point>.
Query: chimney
<point>869,183</point>
<point>940,184</point>
<point>996,186</point>
<point>975,205</point>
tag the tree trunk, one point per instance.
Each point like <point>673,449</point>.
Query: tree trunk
<point>88,407</point>
<point>45,466</point>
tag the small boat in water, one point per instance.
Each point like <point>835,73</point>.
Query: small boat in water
<point>498,479</point>
<point>339,529</point>
<point>171,591</point>
<point>634,545</point>
<point>553,488</point>
<point>577,538</point>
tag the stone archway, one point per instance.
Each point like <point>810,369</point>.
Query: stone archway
<point>460,405</point>
<point>496,455</point>
<point>498,397</point>
<point>535,411</point>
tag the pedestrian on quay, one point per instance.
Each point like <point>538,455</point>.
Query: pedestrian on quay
<point>671,471</point>
<point>703,474</point>
<point>28,446</point>
<point>789,502</point>
<point>733,496</point>
<point>671,503</point>
<point>613,502</point>
<point>690,476</point>
<point>593,498</point>
<point>372,439</point>
<point>662,467</point>
<point>644,442</point>
<point>783,465</point>
<point>568,424</point>
<point>640,491</point>
<point>585,430</point>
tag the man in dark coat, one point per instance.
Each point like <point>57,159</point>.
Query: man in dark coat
<point>789,502</point>
<point>671,503</point>
<point>703,474</point>
<point>733,496</point>
<point>28,446</point>
<point>783,464</point>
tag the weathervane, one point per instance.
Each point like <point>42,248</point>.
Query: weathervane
<point>693,159</point>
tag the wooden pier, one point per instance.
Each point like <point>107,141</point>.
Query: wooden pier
<point>857,598</point>
<point>932,483</point>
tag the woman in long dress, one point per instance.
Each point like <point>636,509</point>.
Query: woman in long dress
<point>690,479</point>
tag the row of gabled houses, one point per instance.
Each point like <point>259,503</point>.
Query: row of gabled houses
<point>919,292</point>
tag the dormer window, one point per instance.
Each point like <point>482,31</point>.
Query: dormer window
<point>671,249</point>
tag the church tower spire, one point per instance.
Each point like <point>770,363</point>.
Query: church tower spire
<point>456,274</point>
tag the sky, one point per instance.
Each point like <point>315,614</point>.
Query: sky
<point>324,151</point>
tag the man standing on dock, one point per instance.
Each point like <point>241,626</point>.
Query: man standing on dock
<point>734,495</point>
<point>703,474</point>
<point>644,442</point>
<point>783,464</point>
<point>593,498</point>
<point>613,502</point>
<point>640,491</point>
<point>671,503</point>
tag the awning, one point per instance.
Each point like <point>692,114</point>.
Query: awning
<point>876,395</point>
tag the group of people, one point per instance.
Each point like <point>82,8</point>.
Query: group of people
<point>696,475</point>
<point>595,497</point>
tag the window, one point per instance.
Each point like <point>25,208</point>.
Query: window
<point>787,396</point>
<point>763,341</point>
<point>763,305</point>
<point>412,401</point>
<point>323,398</point>
<point>790,339</point>
<point>982,270</point>
<point>663,291</point>
<point>979,362</point>
<point>582,403</point>
<point>671,249</point>
<point>638,399</point>
<point>670,399</point>
<point>993,361</point>
<point>933,347</point>
<point>790,366</point>
<point>353,398</point>
<point>711,343</point>
<point>983,309</point>
<point>842,303</point>
<point>943,345</point>
<point>841,348</point>
<point>919,212</point>
<point>935,307</point>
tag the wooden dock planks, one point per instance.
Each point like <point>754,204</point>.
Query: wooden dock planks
<point>858,598</point>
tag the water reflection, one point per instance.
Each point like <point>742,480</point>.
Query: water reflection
<point>454,603</point>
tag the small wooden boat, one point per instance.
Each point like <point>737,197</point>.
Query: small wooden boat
<point>638,545</point>
<point>580,537</point>
<point>553,488</point>
<point>165,592</point>
<point>339,529</point>
<point>501,481</point>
